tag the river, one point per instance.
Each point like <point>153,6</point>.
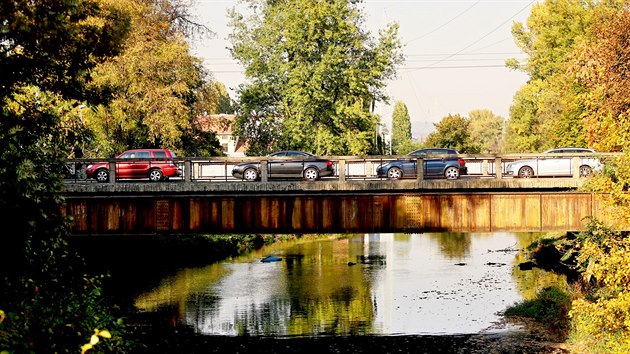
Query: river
<point>355,285</point>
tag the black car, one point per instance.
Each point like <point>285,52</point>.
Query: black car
<point>296,164</point>
<point>434,166</point>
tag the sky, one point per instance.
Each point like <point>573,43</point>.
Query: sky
<point>455,53</point>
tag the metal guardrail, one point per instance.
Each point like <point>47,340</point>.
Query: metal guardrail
<point>347,168</point>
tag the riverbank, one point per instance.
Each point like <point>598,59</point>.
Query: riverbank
<point>528,340</point>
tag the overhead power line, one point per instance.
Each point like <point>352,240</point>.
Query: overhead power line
<point>484,36</point>
<point>444,24</point>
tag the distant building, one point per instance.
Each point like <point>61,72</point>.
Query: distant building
<point>221,125</point>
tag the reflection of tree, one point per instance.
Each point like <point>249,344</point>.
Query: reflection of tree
<point>330,302</point>
<point>454,245</point>
<point>177,289</point>
<point>528,283</point>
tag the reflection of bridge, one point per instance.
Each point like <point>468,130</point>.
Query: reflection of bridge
<point>467,205</point>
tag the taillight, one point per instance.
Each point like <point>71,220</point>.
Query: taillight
<point>461,162</point>
<point>329,163</point>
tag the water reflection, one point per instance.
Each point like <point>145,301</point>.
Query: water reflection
<point>386,284</point>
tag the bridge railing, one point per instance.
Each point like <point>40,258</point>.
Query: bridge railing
<point>347,168</point>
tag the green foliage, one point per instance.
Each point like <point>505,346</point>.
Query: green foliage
<point>407,147</point>
<point>551,307</point>
<point>48,48</point>
<point>213,98</point>
<point>53,44</point>
<point>314,75</point>
<point>546,112</point>
<point>522,131</point>
<point>451,132</point>
<point>486,131</point>
<point>401,128</point>
<point>600,318</point>
<point>151,89</point>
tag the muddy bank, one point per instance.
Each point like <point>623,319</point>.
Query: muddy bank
<point>522,338</point>
<point>456,344</point>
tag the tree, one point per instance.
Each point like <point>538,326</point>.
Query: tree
<point>485,131</point>
<point>48,49</point>
<point>602,67</point>
<point>450,132</point>
<point>401,127</point>
<point>545,112</point>
<point>314,75</point>
<point>151,88</point>
<point>213,98</point>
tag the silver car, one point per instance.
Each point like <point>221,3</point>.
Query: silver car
<point>556,166</point>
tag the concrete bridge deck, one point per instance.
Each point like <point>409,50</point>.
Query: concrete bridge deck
<point>466,184</point>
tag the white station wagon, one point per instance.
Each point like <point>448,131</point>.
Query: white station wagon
<point>556,166</point>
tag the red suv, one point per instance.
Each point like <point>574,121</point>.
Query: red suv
<point>134,165</point>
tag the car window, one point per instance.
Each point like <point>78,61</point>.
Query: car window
<point>143,154</point>
<point>172,153</point>
<point>437,152</point>
<point>418,153</point>
<point>279,154</point>
<point>159,153</point>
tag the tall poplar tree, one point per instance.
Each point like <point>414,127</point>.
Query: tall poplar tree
<point>313,75</point>
<point>401,127</point>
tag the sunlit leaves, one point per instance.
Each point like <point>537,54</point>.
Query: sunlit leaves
<point>602,66</point>
<point>545,113</point>
<point>602,318</point>
<point>150,86</point>
<point>486,131</point>
<point>451,132</point>
<point>313,71</point>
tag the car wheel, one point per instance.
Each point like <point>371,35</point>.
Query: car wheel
<point>394,173</point>
<point>451,172</point>
<point>155,175</point>
<point>102,176</point>
<point>585,171</point>
<point>526,172</point>
<point>311,174</point>
<point>250,174</point>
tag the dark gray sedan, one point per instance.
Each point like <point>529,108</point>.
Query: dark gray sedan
<point>295,164</point>
<point>437,162</point>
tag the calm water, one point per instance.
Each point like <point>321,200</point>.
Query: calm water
<point>382,284</point>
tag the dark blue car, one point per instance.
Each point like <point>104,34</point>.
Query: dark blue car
<point>437,164</point>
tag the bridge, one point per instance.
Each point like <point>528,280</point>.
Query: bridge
<point>200,203</point>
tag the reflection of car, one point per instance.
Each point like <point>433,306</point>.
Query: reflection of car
<point>556,166</point>
<point>450,167</point>
<point>300,165</point>
<point>154,170</point>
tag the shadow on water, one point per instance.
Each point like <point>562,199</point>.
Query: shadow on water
<point>135,264</point>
